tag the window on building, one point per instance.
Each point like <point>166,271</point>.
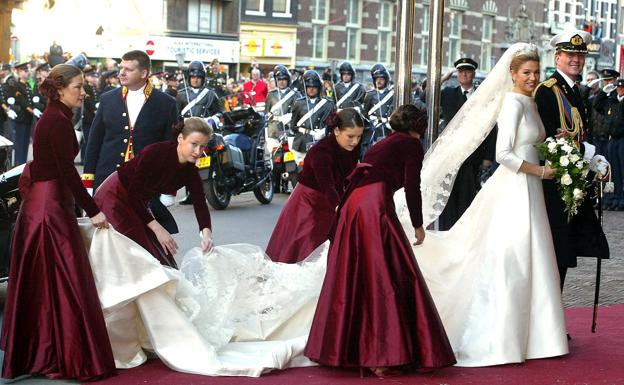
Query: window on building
<point>319,29</point>
<point>486,42</point>
<point>353,30</point>
<point>254,7</point>
<point>455,23</point>
<point>281,8</point>
<point>384,42</point>
<point>621,14</point>
<point>424,45</point>
<point>200,16</point>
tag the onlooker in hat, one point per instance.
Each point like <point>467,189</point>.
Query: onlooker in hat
<point>584,234</point>
<point>171,84</point>
<point>467,182</point>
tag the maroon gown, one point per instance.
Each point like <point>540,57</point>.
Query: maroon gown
<point>124,195</point>
<point>53,323</point>
<point>305,221</point>
<point>375,309</point>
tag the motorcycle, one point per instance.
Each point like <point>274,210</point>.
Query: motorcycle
<point>234,160</point>
<point>9,208</point>
<point>285,168</point>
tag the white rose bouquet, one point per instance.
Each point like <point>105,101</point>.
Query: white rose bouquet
<point>570,171</point>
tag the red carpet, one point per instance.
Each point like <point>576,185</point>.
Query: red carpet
<point>594,359</point>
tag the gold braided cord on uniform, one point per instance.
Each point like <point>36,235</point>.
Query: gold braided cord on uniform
<point>577,121</point>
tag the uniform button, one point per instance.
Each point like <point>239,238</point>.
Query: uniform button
<point>125,140</point>
<point>124,114</point>
<point>122,154</point>
<point>126,127</point>
<point>116,166</point>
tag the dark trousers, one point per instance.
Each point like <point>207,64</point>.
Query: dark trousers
<point>22,141</point>
<point>616,158</point>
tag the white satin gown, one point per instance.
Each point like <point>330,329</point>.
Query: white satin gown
<point>493,276</point>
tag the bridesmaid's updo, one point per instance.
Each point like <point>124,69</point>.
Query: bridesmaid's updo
<point>191,125</point>
<point>346,118</point>
<point>59,78</point>
<point>408,117</point>
<point>522,57</point>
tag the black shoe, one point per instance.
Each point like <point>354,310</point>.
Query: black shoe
<point>186,201</point>
<point>568,335</point>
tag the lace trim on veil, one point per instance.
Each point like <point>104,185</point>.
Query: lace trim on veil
<point>464,133</point>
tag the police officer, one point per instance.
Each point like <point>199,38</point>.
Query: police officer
<point>171,84</point>
<point>21,97</point>
<point>615,201</point>
<point>197,99</point>
<point>309,114</point>
<point>603,115</point>
<point>279,103</point>
<point>39,101</point>
<point>349,93</point>
<point>89,107</point>
<point>453,98</point>
<point>7,113</point>
<point>562,112</point>
<point>378,106</point>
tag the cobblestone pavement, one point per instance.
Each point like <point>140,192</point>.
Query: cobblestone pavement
<point>580,282</point>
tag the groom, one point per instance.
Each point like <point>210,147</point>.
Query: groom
<point>558,98</point>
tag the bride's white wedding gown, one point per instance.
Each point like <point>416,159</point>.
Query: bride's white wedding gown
<point>493,277</point>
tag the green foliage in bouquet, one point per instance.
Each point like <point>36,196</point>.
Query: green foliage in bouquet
<point>570,171</point>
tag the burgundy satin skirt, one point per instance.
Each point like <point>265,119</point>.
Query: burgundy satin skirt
<point>112,198</point>
<point>303,225</point>
<point>375,309</point>
<point>52,323</point>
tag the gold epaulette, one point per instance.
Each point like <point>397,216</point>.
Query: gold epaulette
<point>548,83</point>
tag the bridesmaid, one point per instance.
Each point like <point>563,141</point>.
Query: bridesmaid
<point>53,324</point>
<point>304,223</point>
<point>375,310</point>
<point>159,169</point>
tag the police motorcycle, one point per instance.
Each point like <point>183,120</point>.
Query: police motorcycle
<point>378,106</point>
<point>234,160</point>
<point>9,208</point>
<point>278,121</point>
<point>308,116</point>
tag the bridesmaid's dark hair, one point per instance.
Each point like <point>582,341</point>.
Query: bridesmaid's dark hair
<point>191,125</point>
<point>408,117</point>
<point>346,118</point>
<point>59,78</point>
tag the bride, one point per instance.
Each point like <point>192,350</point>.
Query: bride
<point>493,276</point>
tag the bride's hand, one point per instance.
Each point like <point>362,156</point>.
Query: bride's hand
<point>549,173</point>
<point>420,235</point>
<point>164,238</point>
<point>207,243</point>
<point>561,133</point>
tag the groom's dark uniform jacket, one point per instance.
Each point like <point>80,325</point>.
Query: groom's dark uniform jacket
<point>583,236</point>
<point>467,182</point>
<point>113,141</point>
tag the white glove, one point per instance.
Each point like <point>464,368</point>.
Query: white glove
<point>11,114</point>
<point>318,134</point>
<point>213,121</point>
<point>285,119</point>
<point>608,88</point>
<point>97,105</point>
<point>589,151</point>
<point>599,165</point>
<point>37,113</point>
<point>90,190</point>
<point>167,200</point>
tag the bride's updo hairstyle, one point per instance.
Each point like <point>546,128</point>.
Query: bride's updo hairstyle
<point>59,78</point>
<point>408,117</point>
<point>522,57</point>
<point>191,125</point>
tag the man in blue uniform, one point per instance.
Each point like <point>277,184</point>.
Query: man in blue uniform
<point>349,93</point>
<point>127,120</point>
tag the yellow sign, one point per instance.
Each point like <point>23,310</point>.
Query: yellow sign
<point>280,47</point>
<point>252,47</point>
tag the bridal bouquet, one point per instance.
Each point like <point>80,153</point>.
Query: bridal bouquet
<point>570,171</point>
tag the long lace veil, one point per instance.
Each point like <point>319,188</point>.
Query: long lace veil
<point>464,133</point>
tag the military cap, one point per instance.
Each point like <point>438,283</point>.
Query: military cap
<point>465,63</point>
<point>5,67</point>
<point>573,41</point>
<point>43,67</point>
<point>620,82</point>
<point>608,73</point>
<point>21,66</point>
<point>110,74</point>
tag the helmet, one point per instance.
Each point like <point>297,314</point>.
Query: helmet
<point>346,67</point>
<point>79,61</point>
<point>196,68</point>
<point>379,71</point>
<point>280,72</point>
<point>311,79</point>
